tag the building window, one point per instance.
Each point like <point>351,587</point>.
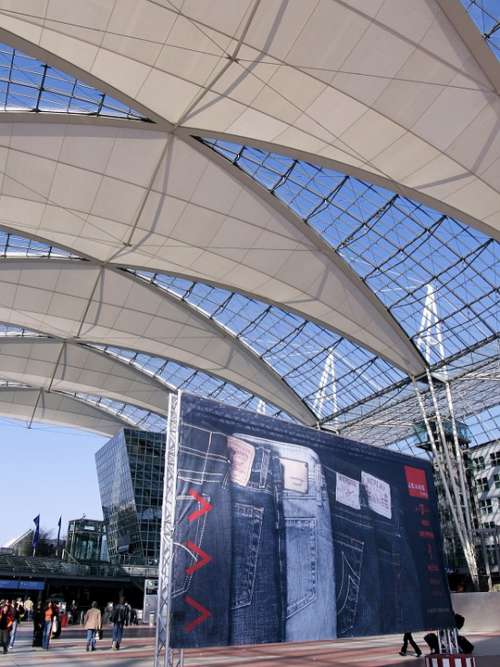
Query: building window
<point>496,477</point>
<point>478,462</point>
<point>482,484</point>
<point>495,458</point>
<point>486,506</point>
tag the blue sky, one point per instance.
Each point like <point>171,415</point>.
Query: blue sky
<point>48,471</point>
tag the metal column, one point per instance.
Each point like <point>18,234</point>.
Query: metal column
<point>164,655</point>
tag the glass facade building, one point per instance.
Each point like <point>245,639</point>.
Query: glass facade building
<point>130,474</point>
<point>85,540</point>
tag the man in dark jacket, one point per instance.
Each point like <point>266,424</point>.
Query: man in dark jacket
<point>6,620</point>
<point>119,617</point>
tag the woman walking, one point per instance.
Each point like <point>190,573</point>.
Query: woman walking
<point>48,617</point>
<point>93,623</point>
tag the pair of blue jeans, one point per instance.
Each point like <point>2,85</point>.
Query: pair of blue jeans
<point>310,572</point>
<point>91,637</point>
<point>202,520</point>
<point>13,632</point>
<point>377,588</point>
<point>47,631</point>
<point>257,610</point>
<point>117,634</point>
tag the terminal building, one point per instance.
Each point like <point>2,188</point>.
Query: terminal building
<point>130,473</point>
<point>86,541</point>
<point>290,207</point>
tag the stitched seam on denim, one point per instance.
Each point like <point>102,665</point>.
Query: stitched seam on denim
<point>199,531</point>
<point>189,451</point>
<point>349,581</point>
<point>203,430</point>
<point>256,514</point>
<point>309,597</point>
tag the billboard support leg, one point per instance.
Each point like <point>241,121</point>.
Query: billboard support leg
<point>467,535</point>
<point>444,480</point>
<point>164,655</point>
<point>448,641</point>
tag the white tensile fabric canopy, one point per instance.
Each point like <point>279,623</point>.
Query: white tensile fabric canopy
<point>400,93</point>
<point>366,87</point>
<point>70,367</point>
<point>51,408</point>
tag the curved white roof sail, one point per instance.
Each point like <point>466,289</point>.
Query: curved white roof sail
<point>143,199</point>
<point>76,299</point>
<point>366,89</point>
<point>34,405</point>
<point>63,366</point>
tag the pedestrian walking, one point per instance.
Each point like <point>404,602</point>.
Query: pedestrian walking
<point>93,624</point>
<point>28,609</point>
<point>408,639</point>
<point>6,620</point>
<point>119,617</point>
<point>17,611</point>
<point>48,617</point>
<point>38,619</point>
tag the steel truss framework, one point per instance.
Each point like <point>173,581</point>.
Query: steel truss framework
<point>485,15</point>
<point>164,655</point>
<point>399,249</point>
<point>27,84</point>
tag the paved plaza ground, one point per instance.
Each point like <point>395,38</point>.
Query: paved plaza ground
<point>137,651</point>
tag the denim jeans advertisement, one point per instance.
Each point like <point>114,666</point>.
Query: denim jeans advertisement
<point>288,533</point>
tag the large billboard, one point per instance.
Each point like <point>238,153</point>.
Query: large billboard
<point>288,533</point>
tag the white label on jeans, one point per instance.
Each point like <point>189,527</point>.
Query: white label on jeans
<point>242,455</point>
<point>294,475</point>
<point>379,494</point>
<point>347,491</point>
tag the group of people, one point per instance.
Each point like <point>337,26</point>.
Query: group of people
<point>119,617</point>
<point>47,622</point>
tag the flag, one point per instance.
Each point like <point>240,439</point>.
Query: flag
<point>59,531</point>
<point>36,533</point>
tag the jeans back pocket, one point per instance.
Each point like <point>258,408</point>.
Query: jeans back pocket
<point>301,563</point>
<point>185,531</point>
<point>348,563</point>
<point>247,532</point>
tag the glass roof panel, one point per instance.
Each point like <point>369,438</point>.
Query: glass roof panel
<point>486,16</point>
<point>416,260</point>
<point>145,420</point>
<point>298,350</point>
<point>27,84</point>
<point>13,245</point>
<point>176,376</point>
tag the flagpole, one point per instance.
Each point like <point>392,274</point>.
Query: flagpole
<point>58,536</point>
<point>36,534</point>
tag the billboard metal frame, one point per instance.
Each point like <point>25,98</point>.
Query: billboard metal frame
<point>164,655</point>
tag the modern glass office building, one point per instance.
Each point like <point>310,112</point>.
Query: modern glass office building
<point>130,474</point>
<point>86,540</point>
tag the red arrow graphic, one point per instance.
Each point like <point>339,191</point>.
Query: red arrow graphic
<point>205,506</point>
<point>204,557</point>
<point>204,614</point>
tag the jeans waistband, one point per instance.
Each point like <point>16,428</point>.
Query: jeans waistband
<point>311,484</point>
